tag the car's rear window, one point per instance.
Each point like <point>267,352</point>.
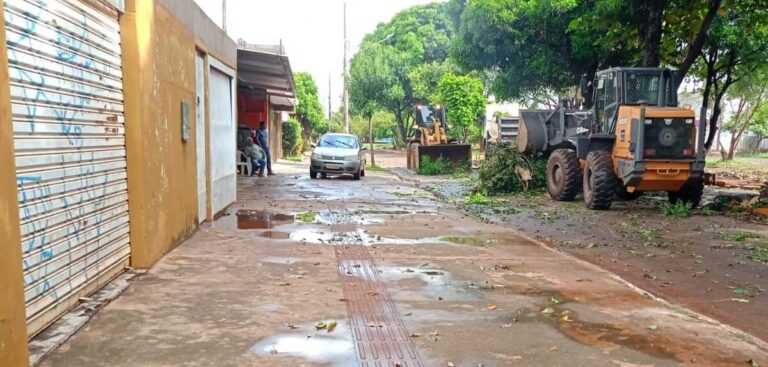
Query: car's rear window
<point>338,141</point>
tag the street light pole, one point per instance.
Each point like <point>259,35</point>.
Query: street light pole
<point>224,15</point>
<point>345,96</point>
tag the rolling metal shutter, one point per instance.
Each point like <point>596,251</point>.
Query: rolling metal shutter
<point>69,136</point>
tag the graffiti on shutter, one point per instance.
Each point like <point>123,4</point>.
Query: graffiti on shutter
<point>69,139</point>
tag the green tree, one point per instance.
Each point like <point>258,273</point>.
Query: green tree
<point>425,78</point>
<point>749,95</point>
<point>545,47</point>
<point>309,111</point>
<point>759,125</point>
<point>371,83</point>
<point>415,36</point>
<point>735,49</point>
<point>292,142</point>
<point>464,102</point>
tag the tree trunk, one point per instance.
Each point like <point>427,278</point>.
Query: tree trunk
<point>650,31</point>
<point>713,6</point>
<point>370,138</point>
<point>306,132</point>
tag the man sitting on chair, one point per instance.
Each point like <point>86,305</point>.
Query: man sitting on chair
<point>257,157</point>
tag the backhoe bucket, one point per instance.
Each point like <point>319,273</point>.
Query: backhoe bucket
<point>457,154</point>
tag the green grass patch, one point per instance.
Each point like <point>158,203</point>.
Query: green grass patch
<point>739,236</point>
<point>478,198</point>
<point>375,168</point>
<point>297,158</point>
<point>730,163</point>
<point>677,210</point>
<point>307,217</point>
<point>761,155</point>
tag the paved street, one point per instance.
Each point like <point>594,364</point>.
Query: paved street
<point>395,276</point>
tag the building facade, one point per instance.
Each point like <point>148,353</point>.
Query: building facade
<point>117,137</point>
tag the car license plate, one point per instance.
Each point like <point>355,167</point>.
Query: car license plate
<point>333,166</point>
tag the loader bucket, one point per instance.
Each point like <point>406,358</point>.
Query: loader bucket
<point>457,154</point>
<point>532,136</point>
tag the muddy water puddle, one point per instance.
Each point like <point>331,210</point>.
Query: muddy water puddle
<point>277,235</point>
<point>318,346</point>
<point>438,284</point>
<point>252,219</point>
<point>359,236</point>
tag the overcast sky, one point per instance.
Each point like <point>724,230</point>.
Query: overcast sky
<point>311,30</point>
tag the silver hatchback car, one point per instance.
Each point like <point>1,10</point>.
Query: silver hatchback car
<point>337,154</point>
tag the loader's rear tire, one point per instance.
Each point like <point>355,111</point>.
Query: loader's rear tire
<point>690,193</point>
<point>599,180</point>
<point>624,195</point>
<point>563,175</point>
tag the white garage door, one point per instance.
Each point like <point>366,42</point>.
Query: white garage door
<point>202,193</point>
<point>223,141</point>
<point>69,137</point>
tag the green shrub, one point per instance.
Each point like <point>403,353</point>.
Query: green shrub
<point>504,171</point>
<point>291,138</point>
<point>678,210</point>
<point>431,167</point>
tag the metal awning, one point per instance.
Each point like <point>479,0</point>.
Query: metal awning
<point>265,67</point>
<point>280,103</point>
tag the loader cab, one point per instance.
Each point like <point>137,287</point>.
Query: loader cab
<point>618,87</point>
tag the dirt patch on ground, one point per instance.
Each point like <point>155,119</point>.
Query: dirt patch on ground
<point>715,263</point>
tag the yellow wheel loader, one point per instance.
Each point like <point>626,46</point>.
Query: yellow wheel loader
<point>633,139</point>
<point>430,140</point>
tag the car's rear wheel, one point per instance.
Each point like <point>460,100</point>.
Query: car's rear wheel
<point>362,172</point>
<point>312,173</point>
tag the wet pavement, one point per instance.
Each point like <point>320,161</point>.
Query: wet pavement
<point>251,288</point>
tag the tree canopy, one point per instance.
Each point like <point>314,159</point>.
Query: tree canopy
<point>464,102</point>
<point>417,36</point>
<point>309,111</point>
<point>547,46</point>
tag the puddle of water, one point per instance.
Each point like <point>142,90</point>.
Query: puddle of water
<point>319,346</point>
<point>438,283</point>
<point>281,260</point>
<point>359,236</point>
<point>275,235</point>
<point>468,241</point>
<point>251,219</point>
<point>347,217</point>
<point>255,219</point>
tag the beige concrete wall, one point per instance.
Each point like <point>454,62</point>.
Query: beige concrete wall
<point>13,325</point>
<point>159,48</point>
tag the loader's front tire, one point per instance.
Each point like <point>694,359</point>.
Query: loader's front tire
<point>563,175</point>
<point>599,180</point>
<point>690,193</point>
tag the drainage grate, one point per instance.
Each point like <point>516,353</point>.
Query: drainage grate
<point>380,337</point>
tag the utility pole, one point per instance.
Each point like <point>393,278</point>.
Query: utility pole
<point>346,82</point>
<point>224,15</point>
<point>329,97</point>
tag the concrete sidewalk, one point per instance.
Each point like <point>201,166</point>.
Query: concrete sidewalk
<point>466,293</point>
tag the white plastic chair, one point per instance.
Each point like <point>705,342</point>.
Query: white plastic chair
<point>245,167</point>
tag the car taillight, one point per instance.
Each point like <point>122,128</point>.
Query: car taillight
<point>688,152</point>
<point>648,152</point>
